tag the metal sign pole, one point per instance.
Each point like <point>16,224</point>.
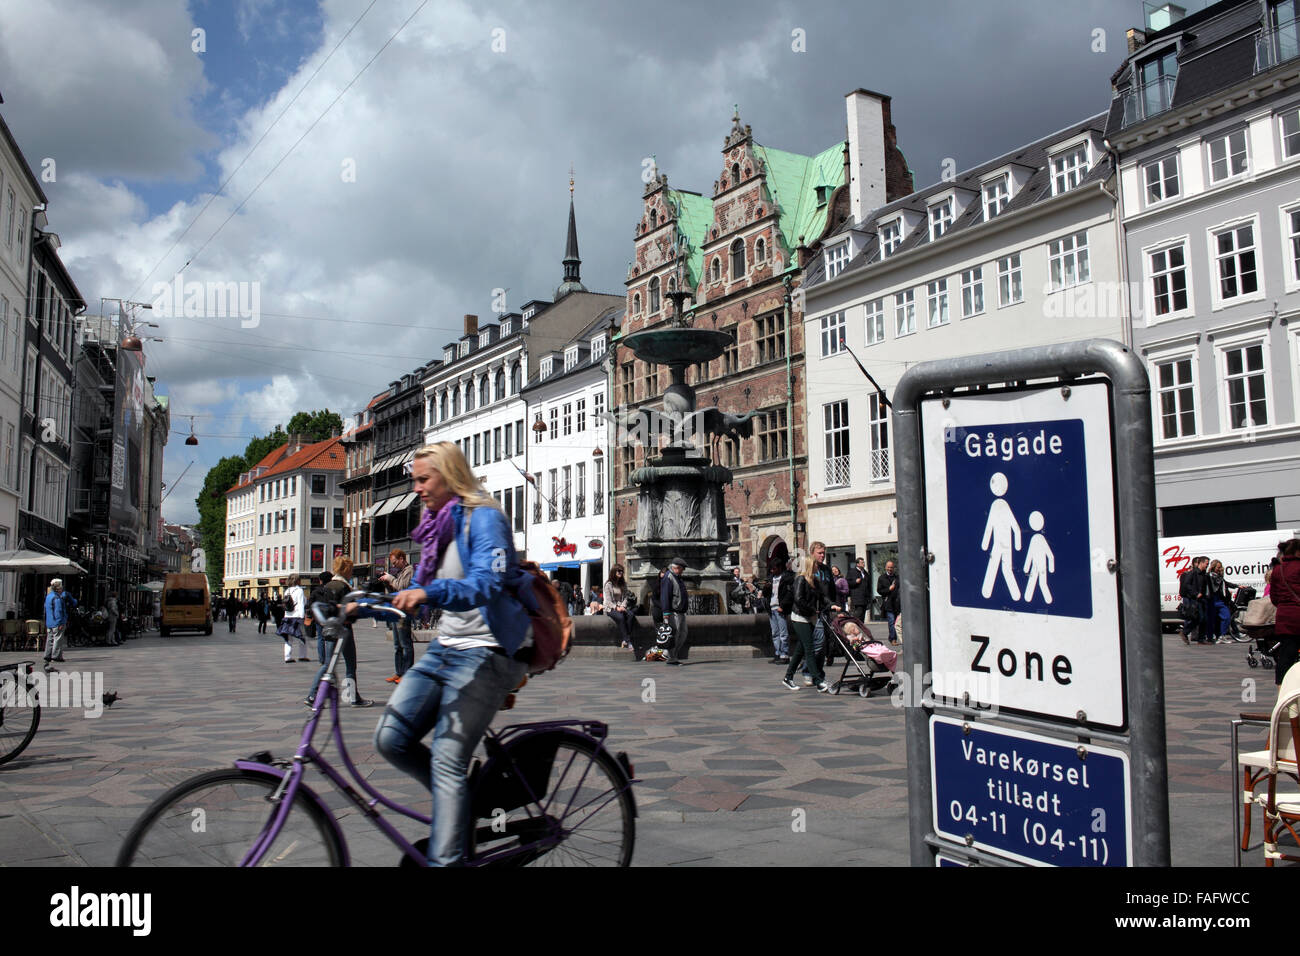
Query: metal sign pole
<point>1135,567</point>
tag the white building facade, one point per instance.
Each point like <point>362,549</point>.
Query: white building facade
<point>1019,251</point>
<point>285,516</point>
<point>568,460</point>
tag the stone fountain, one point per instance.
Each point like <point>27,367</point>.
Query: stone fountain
<point>680,507</point>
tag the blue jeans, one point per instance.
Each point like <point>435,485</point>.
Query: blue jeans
<point>326,650</point>
<point>890,616</point>
<point>780,634</point>
<point>403,647</point>
<point>454,693</point>
<point>818,649</point>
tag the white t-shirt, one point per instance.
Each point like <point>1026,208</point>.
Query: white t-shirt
<point>461,630</point>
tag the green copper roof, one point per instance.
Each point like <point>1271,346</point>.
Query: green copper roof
<point>792,181</point>
<point>694,216</point>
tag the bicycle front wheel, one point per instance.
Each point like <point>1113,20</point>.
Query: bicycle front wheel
<point>214,819</point>
<point>18,723</point>
<point>587,808</point>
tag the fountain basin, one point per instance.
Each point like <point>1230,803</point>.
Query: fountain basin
<point>677,346</point>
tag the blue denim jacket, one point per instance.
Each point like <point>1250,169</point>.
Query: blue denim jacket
<point>488,556</point>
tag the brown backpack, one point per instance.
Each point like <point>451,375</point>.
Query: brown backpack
<point>552,626</point>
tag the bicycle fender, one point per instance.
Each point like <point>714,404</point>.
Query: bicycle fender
<point>304,790</point>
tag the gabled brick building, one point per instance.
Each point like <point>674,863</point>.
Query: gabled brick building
<point>739,256</point>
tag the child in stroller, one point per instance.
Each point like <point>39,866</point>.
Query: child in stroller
<point>873,661</point>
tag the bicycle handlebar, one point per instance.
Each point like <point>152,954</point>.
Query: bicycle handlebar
<point>371,604</point>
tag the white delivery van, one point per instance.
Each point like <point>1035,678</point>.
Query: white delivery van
<point>1245,556</point>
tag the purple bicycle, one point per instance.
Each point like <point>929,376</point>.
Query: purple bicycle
<point>545,794</point>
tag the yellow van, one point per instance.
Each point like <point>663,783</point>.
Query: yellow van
<point>186,604</point>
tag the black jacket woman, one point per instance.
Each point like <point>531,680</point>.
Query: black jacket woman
<point>810,601</point>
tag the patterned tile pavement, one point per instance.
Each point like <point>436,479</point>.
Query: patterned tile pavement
<point>734,768</point>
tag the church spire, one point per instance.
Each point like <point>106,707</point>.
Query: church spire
<point>572,262</point>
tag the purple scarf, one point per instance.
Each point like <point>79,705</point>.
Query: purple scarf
<point>437,529</point>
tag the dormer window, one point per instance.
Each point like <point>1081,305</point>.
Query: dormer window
<point>940,218</point>
<point>448,355</point>
<point>507,326</point>
<point>1156,77</point>
<point>544,370</point>
<point>996,194</point>
<point>837,257</point>
<point>570,357</point>
<point>1069,169</point>
<point>484,339</point>
<point>822,192</point>
<point>891,237</point>
<point>528,314</point>
<point>597,347</point>
<point>464,349</point>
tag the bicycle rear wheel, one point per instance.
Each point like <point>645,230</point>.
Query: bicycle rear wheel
<point>587,802</point>
<point>214,819</point>
<point>18,722</point>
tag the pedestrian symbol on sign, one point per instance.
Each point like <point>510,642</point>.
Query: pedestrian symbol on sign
<point>1018,517</point>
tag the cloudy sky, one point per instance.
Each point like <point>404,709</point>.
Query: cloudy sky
<point>374,170</point>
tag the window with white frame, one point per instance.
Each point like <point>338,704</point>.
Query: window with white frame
<point>1067,259</point>
<point>1228,156</point>
<point>1160,178</point>
<point>568,418</point>
<point>1175,397</point>
<point>1069,169</point>
<point>1010,287</point>
<point>464,348</point>
<point>597,347</point>
<point>1291,224</point>
<point>484,339</point>
<point>904,313</point>
<point>996,193</point>
<point>835,416</point>
<point>891,237</point>
<point>837,257</point>
<point>972,292</point>
<point>1290,127</point>
<point>940,218</point>
<point>1234,260</point>
<point>553,432</point>
<point>1244,378</point>
<point>878,429</point>
<point>875,321</point>
<point>832,334</point>
<point>570,357</point>
<point>1168,280</point>
<point>936,294</point>
<point>544,369</point>
<point>507,326</point>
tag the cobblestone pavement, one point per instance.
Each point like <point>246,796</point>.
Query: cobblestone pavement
<point>729,760</point>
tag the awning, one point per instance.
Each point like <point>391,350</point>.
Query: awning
<point>408,499</point>
<point>392,461</point>
<point>36,562</point>
<point>370,512</point>
<point>568,564</point>
<point>395,503</point>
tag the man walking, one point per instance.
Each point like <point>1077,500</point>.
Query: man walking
<point>779,594</point>
<point>673,598</point>
<point>399,579</point>
<point>232,611</point>
<point>859,588</point>
<point>887,588</point>
<point>56,623</point>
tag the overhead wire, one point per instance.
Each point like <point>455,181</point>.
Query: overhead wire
<point>252,149</point>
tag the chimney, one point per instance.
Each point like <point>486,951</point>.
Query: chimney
<point>471,325</point>
<point>867,133</point>
<point>1136,40</point>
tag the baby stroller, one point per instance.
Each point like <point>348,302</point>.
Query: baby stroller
<point>873,661</point>
<point>1257,624</point>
